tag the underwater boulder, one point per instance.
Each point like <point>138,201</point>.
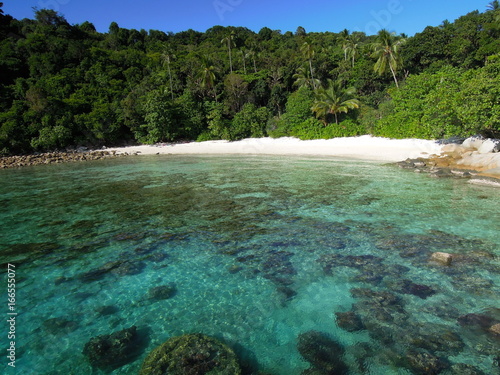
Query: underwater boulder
<point>349,321</point>
<point>495,329</point>
<point>191,354</point>
<point>359,261</point>
<point>381,298</point>
<point>369,278</point>
<point>441,258</point>
<point>162,292</point>
<point>433,338</point>
<point>322,352</point>
<point>409,287</point>
<point>287,292</point>
<point>476,321</point>
<point>424,363</point>
<point>463,369</point>
<point>59,326</point>
<point>129,268</point>
<point>99,273</point>
<point>109,352</point>
<point>106,310</point>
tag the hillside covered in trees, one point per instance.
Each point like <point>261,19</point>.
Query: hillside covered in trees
<point>65,85</point>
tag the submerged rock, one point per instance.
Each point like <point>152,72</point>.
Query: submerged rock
<point>481,321</point>
<point>424,363</point>
<point>287,292</point>
<point>59,326</point>
<point>369,277</point>
<point>472,283</point>
<point>495,329</point>
<point>322,352</point>
<point>349,321</point>
<point>53,158</point>
<point>162,292</point>
<point>106,310</point>
<point>409,287</point>
<point>444,310</point>
<point>463,369</point>
<point>109,352</point>
<point>441,258</point>
<point>129,268</point>
<point>192,354</point>
<point>433,338</point>
<point>119,267</point>
<point>381,298</point>
<point>367,263</point>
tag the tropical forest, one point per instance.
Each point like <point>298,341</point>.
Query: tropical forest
<point>64,85</point>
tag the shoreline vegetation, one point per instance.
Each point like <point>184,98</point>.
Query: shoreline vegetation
<point>66,86</point>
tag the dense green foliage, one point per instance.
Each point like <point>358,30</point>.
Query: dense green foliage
<point>450,102</point>
<point>65,85</point>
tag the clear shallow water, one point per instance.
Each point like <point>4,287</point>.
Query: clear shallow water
<point>261,250</point>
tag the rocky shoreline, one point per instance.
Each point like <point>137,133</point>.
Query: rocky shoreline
<point>476,158</point>
<point>55,158</point>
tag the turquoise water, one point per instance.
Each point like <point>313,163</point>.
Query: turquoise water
<point>260,250</point>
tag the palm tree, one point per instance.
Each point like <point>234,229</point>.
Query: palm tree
<point>207,76</point>
<point>494,5</point>
<point>386,51</point>
<point>167,56</point>
<point>303,78</point>
<point>344,38</point>
<point>334,99</point>
<point>251,53</point>
<point>229,39</point>
<point>351,48</point>
<point>308,52</point>
<point>244,56</point>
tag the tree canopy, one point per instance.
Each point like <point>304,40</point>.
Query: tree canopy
<point>64,85</point>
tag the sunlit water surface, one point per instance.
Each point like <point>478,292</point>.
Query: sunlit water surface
<point>260,250</point>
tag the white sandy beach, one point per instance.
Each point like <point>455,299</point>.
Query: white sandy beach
<point>364,147</point>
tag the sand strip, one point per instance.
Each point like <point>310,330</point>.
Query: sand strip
<point>364,147</point>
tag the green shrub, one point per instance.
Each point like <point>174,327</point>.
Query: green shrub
<point>444,104</point>
<point>51,138</point>
<point>298,110</point>
<point>249,122</point>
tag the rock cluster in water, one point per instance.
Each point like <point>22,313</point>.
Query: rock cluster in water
<point>191,354</point>
<point>474,157</point>
<point>380,307</point>
<point>109,352</point>
<point>324,354</point>
<point>53,158</point>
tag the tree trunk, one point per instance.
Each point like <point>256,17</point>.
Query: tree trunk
<point>230,59</point>
<point>312,76</point>
<point>170,76</point>
<point>394,75</point>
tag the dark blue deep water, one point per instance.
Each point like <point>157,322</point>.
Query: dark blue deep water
<point>258,252</point>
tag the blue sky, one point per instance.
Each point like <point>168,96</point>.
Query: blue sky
<point>401,16</point>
